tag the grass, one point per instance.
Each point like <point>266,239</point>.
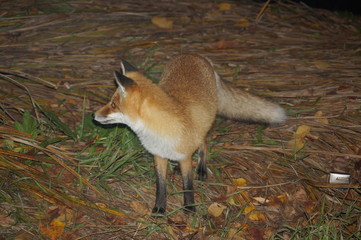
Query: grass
<point>109,160</point>
<point>327,224</point>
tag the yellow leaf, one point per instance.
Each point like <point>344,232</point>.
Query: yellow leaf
<point>297,143</point>
<point>231,201</point>
<point>216,209</point>
<point>191,229</point>
<point>299,137</point>
<point>249,209</point>
<point>282,198</point>
<point>162,22</point>
<point>321,120</point>
<point>224,6</point>
<point>257,216</point>
<point>302,131</point>
<point>243,23</point>
<point>53,230</point>
<point>240,182</point>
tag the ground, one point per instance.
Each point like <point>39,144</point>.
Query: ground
<point>64,177</point>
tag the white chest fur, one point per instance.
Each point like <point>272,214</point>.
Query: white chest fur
<point>156,144</point>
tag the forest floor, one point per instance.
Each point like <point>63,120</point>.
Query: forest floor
<point>62,176</point>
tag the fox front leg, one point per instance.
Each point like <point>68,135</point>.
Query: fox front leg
<point>161,165</point>
<point>187,175</point>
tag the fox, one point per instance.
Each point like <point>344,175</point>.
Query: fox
<point>173,117</point>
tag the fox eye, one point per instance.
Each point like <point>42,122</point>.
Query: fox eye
<point>113,105</point>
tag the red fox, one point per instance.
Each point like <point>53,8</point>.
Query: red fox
<point>172,118</point>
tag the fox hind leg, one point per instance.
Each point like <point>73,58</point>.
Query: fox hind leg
<point>161,165</point>
<point>202,166</point>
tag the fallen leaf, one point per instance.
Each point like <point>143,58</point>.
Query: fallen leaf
<point>282,198</point>
<point>53,230</point>
<point>261,200</point>
<point>249,209</point>
<point>216,209</point>
<point>321,120</point>
<point>309,206</point>
<point>257,216</point>
<point>240,182</point>
<point>162,22</point>
<point>67,217</point>
<point>224,6</point>
<point>225,44</point>
<point>321,65</point>
<point>140,208</point>
<point>302,131</point>
<point>191,229</point>
<point>243,23</point>
<point>299,137</point>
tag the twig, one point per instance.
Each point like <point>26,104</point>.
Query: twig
<point>27,90</point>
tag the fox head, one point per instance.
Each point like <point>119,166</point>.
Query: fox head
<point>123,106</point>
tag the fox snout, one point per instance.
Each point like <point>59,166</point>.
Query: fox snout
<point>106,116</point>
<point>100,117</point>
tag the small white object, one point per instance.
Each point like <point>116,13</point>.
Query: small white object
<point>336,178</point>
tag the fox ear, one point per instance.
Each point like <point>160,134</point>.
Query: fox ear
<point>127,67</point>
<point>123,82</point>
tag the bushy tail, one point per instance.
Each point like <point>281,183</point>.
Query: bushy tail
<point>237,104</point>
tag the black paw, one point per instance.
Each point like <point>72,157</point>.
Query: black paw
<point>176,170</point>
<point>202,172</point>
<point>189,209</point>
<point>158,212</point>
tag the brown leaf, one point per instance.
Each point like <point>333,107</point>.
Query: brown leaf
<point>216,209</point>
<point>322,65</point>
<point>224,6</point>
<point>140,208</point>
<point>224,44</point>
<point>162,22</point>
<point>54,230</point>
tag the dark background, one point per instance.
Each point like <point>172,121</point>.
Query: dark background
<point>353,6</point>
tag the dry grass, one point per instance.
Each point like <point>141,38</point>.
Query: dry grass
<point>57,62</point>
